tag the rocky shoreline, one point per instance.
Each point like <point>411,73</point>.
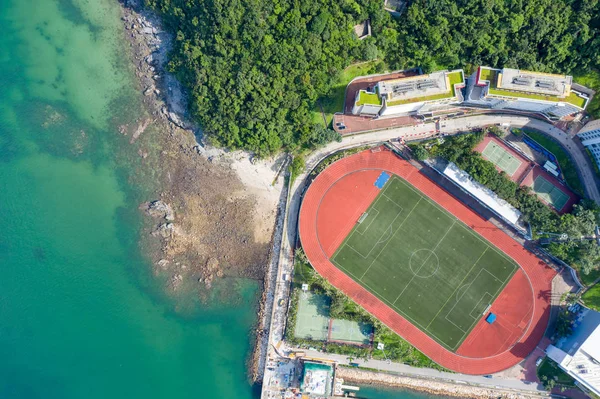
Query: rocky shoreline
<point>211,219</point>
<point>216,213</point>
<point>365,377</point>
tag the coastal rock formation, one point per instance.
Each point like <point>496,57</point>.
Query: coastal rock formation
<point>204,222</point>
<point>159,209</point>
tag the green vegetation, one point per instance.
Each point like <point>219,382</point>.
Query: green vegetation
<point>455,78</point>
<point>564,324</point>
<point>398,350</point>
<point>590,78</point>
<point>434,97</point>
<point>487,74</point>
<point>491,76</point>
<point>538,35</point>
<point>573,98</point>
<point>591,297</point>
<point>551,375</point>
<point>297,167</point>
<point>415,257</point>
<point>564,161</point>
<point>342,307</point>
<point>255,69</point>
<point>368,98</point>
<point>334,101</point>
<point>590,278</point>
<point>582,255</point>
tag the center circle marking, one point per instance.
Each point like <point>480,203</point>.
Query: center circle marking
<point>424,263</point>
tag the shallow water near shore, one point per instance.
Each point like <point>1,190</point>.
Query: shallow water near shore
<point>80,313</point>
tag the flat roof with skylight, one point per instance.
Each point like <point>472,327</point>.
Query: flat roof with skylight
<point>436,87</point>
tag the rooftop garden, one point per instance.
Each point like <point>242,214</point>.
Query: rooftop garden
<point>491,76</point>
<point>454,78</point>
<point>368,98</point>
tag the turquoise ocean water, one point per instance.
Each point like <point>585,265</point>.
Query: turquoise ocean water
<point>80,314</point>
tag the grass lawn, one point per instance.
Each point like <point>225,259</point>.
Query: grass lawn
<point>454,78</point>
<point>424,263</point>
<point>590,79</point>
<point>550,369</point>
<point>334,101</point>
<point>591,298</point>
<point>588,279</point>
<point>563,159</point>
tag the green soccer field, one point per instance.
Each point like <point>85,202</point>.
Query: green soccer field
<point>424,263</point>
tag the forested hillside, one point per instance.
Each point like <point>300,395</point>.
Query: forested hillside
<point>543,35</point>
<point>255,68</point>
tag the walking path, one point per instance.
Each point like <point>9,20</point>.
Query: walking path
<point>403,369</point>
<point>421,131</point>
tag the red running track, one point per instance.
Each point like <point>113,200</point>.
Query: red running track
<point>343,191</point>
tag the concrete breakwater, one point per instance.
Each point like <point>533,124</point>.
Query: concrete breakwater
<point>356,376</point>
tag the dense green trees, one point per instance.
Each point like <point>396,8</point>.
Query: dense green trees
<point>545,35</point>
<point>255,68</point>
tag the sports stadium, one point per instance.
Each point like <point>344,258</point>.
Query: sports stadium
<point>448,281</point>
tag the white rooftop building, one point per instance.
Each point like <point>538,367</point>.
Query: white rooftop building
<point>483,194</point>
<point>590,137</point>
<point>411,95</point>
<point>579,355</point>
<point>513,89</point>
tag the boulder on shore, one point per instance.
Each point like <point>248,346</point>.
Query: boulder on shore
<point>160,208</point>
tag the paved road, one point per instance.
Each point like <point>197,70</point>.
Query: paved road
<point>399,368</point>
<point>424,130</point>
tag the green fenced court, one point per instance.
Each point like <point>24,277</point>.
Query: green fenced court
<point>424,263</point>
<point>550,193</point>
<point>501,158</point>
<point>350,331</point>
<point>312,318</point>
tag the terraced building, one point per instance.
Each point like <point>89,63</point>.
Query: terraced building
<point>414,95</point>
<point>555,96</point>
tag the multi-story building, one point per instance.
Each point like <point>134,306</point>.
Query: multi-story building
<point>579,354</point>
<point>415,95</point>
<point>590,137</point>
<point>554,96</point>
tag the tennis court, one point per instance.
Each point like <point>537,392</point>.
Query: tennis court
<point>500,157</point>
<point>312,319</point>
<point>424,263</point>
<point>550,193</point>
<point>350,331</point>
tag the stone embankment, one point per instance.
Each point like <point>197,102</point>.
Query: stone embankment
<point>362,377</point>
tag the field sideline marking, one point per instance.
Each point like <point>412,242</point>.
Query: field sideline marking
<point>470,229</point>
<point>372,220</point>
<point>403,314</point>
<point>460,285</point>
<point>432,251</point>
<point>345,243</point>
<point>494,297</point>
<point>386,244</point>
